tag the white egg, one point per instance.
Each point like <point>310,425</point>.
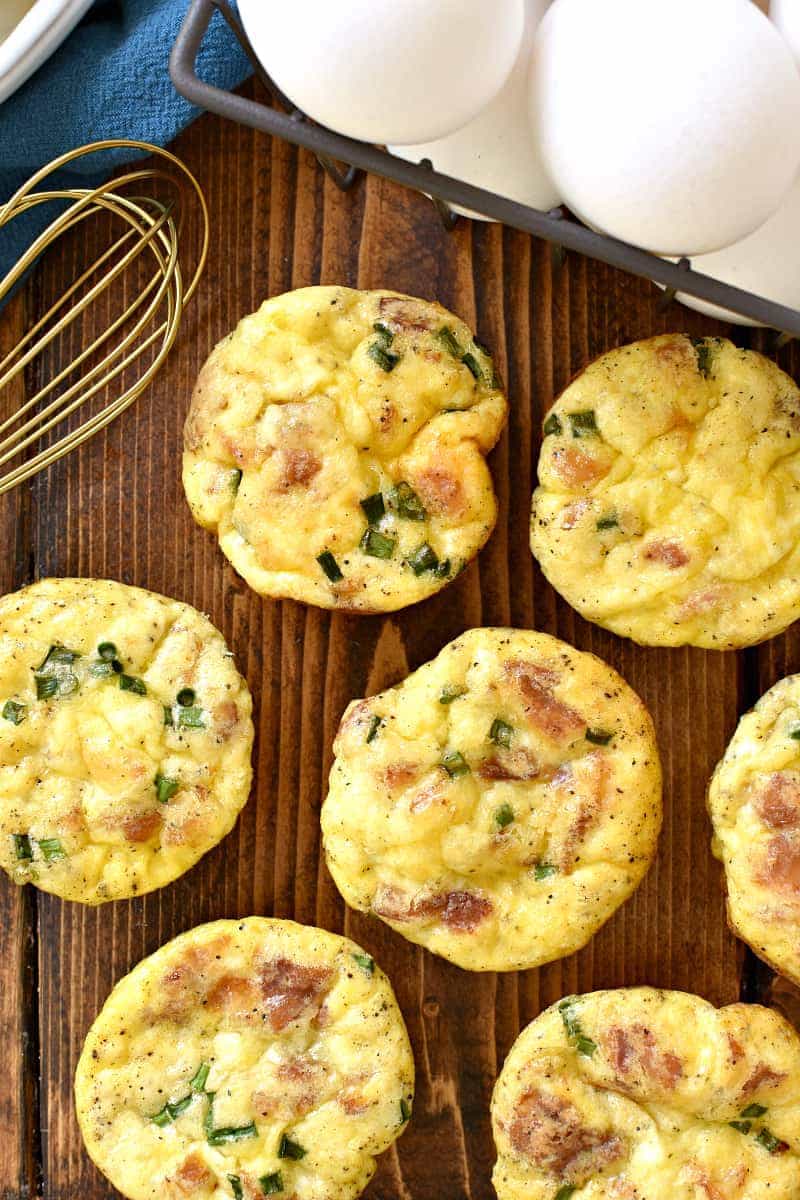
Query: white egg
<point>786,15</point>
<point>766,263</point>
<point>497,150</point>
<point>387,70</point>
<point>671,124</point>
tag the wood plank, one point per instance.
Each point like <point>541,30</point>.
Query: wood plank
<point>116,508</point>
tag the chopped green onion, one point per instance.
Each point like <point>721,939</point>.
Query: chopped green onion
<point>770,1143</point>
<point>46,686</point>
<point>501,732</point>
<point>406,503</point>
<point>58,655</point>
<point>107,651</point>
<point>236,1186</point>
<point>584,1045</point>
<point>366,962</point>
<point>165,788</point>
<point>753,1110</point>
<point>741,1126</point>
<point>378,545</point>
<point>544,870</point>
<point>14,712</point>
<point>130,683</point>
<point>449,341</point>
<point>374,507</point>
<point>102,669</point>
<point>552,425</point>
<point>290,1149</point>
<point>386,359</point>
<point>583,424</point>
<point>609,522</point>
<point>795,733</point>
<point>191,718</point>
<point>168,717</point>
<point>22,847</point>
<point>473,366</point>
<point>272,1184</point>
<point>330,566</point>
<point>172,1110</point>
<point>51,849</point>
<point>53,677</point>
<point>231,1133</point>
<point>198,1084</point>
<point>423,559</point>
<point>504,815</point>
<point>384,332</point>
<point>236,480</point>
<point>451,692</point>
<point>405,1110</point>
<point>442,571</point>
<point>454,763</point>
<point>702,349</point>
<point>565,1192</point>
<point>598,737</point>
<point>186,697</point>
<point>374,726</point>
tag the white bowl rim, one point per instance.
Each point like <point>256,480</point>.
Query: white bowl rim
<point>37,35</point>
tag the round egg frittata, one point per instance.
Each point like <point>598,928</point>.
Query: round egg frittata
<point>336,445</point>
<point>640,1094</point>
<point>754,801</point>
<point>125,738</point>
<point>499,804</point>
<point>668,506</point>
<point>246,1059</point>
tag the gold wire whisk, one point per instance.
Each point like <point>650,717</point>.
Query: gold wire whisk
<point>151,318</point>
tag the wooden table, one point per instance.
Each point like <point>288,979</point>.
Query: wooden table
<point>116,509</point>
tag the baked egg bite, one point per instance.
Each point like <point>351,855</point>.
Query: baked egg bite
<point>336,445</point>
<point>668,506</point>
<point>125,738</point>
<point>754,802</point>
<point>640,1094</point>
<point>499,804</point>
<point>246,1059</point>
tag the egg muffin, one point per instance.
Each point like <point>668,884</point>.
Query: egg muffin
<point>246,1059</point>
<point>499,804</point>
<point>754,801</point>
<point>125,738</point>
<point>668,506</point>
<point>336,445</point>
<point>640,1094</point>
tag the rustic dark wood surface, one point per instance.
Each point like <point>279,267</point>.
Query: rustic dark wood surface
<point>116,509</point>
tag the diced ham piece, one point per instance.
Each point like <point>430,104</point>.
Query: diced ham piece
<point>551,1132</point>
<point>226,718</point>
<point>667,551</point>
<point>193,1176</point>
<point>778,802</point>
<point>233,994</point>
<point>507,765</point>
<point>290,990</point>
<point>298,468</point>
<point>543,709</point>
<point>573,513</point>
<point>141,827</point>
<point>761,1079</point>
<point>575,467</point>
<point>586,778</point>
<point>400,775</point>
<point>400,313</point>
<point>780,866</point>
<point>440,491</point>
<point>634,1050</point>
<point>461,911</point>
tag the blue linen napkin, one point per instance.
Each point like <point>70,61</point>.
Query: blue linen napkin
<point>108,79</point>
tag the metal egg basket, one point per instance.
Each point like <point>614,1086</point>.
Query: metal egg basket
<point>343,158</point>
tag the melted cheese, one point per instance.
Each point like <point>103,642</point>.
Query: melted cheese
<point>630,1095</point>
<point>99,798</point>
<point>294,422</point>
<point>499,804</point>
<point>667,508</point>
<point>264,1050</point>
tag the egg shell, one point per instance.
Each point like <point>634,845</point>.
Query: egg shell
<point>672,126</point>
<point>388,72</point>
<point>767,263</point>
<point>786,15</point>
<point>497,150</point>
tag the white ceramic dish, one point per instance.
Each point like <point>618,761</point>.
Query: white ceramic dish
<point>38,34</point>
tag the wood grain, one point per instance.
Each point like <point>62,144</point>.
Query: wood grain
<point>116,509</point>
